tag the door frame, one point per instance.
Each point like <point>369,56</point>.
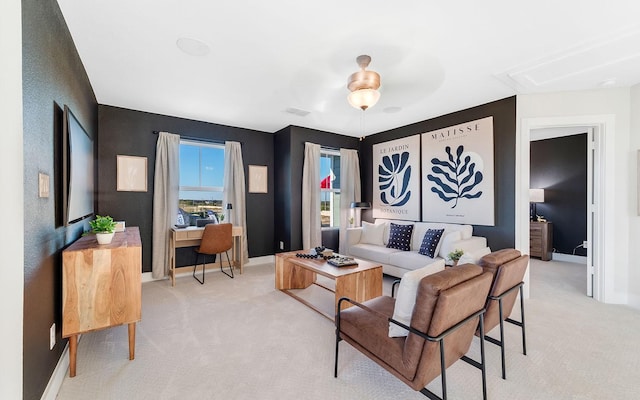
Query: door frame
<point>603,189</point>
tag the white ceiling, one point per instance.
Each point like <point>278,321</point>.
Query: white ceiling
<point>265,57</point>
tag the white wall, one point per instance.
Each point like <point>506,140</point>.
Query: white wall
<point>11,166</point>
<point>634,219</point>
<point>614,105</point>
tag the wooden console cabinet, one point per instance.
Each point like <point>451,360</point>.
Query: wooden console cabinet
<point>541,240</point>
<point>101,287</point>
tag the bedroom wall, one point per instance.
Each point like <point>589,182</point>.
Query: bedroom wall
<point>559,166</point>
<point>289,159</point>
<point>130,132</point>
<point>501,235</point>
<point>53,75</point>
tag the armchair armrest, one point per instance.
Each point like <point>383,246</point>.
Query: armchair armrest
<point>393,287</point>
<point>359,305</point>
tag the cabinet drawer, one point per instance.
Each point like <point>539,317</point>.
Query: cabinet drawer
<point>535,230</point>
<point>189,234</point>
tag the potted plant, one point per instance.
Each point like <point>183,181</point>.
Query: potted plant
<point>104,228</point>
<point>455,256</point>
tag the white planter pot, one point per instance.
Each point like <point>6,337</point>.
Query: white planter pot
<point>104,238</point>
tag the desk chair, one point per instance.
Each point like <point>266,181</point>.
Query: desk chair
<point>216,239</point>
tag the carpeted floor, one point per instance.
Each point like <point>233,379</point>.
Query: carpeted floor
<point>241,339</point>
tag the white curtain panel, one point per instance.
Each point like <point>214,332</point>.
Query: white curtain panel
<point>311,225</point>
<point>234,190</point>
<point>349,190</point>
<point>166,183</point>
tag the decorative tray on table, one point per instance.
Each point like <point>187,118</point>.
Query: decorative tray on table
<point>342,261</point>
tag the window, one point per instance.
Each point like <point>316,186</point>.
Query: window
<point>201,177</point>
<point>329,188</point>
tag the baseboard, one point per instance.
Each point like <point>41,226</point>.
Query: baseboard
<point>569,258</point>
<point>147,277</point>
<point>59,373</point>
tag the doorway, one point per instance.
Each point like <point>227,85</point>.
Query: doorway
<point>560,171</point>
<point>601,217</point>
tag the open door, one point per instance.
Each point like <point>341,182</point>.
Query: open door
<point>591,217</point>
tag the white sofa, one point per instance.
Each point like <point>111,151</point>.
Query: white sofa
<point>396,262</point>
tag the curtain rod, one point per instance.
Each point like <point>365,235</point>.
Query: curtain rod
<point>217,141</point>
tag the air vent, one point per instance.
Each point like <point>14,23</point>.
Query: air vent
<point>297,111</point>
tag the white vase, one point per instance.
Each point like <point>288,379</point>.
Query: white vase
<point>104,238</point>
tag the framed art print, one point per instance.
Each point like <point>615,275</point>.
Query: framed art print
<point>132,174</point>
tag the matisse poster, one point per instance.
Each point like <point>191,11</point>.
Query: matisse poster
<point>457,174</point>
<point>396,179</point>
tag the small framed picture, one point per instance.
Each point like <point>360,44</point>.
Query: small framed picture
<point>132,174</point>
<point>258,179</point>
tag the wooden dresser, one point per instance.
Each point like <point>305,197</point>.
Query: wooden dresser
<point>541,240</point>
<point>101,287</point>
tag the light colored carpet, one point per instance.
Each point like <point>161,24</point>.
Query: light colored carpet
<point>242,339</point>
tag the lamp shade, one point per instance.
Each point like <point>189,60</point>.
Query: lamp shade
<point>360,204</point>
<point>536,195</point>
<point>363,98</point>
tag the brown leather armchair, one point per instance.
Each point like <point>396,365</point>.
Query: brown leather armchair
<point>216,239</point>
<point>449,305</point>
<point>507,266</point>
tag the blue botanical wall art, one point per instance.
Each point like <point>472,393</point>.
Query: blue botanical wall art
<point>456,177</point>
<point>457,174</point>
<point>396,181</point>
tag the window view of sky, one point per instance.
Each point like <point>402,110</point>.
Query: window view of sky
<point>201,166</point>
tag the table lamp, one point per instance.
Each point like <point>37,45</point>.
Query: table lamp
<point>357,206</point>
<point>229,207</point>
<point>535,196</point>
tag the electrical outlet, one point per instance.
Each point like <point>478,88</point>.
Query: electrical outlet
<point>281,245</point>
<point>52,336</point>
<point>43,185</point>
<point>585,244</point>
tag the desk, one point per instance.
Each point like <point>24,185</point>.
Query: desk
<point>101,287</point>
<point>191,236</point>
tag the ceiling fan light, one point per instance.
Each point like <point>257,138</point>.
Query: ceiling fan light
<point>363,98</point>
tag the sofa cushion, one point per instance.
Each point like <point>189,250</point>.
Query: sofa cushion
<point>372,252</point>
<point>412,260</point>
<point>406,297</point>
<point>400,237</point>
<point>447,244</point>
<point>474,256</point>
<point>431,242</point>
<point>372,233</point>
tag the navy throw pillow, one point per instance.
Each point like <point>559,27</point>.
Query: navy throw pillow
<point>400,237</point>
<point>430,242</point>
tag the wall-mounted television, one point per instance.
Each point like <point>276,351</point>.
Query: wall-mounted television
<point>78,170</point>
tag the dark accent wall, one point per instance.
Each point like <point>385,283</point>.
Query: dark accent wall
<point>289,160</point>
<point>504,141</point>
<point>129,132</point>
<point>53,75</point>
<point>559,166</point>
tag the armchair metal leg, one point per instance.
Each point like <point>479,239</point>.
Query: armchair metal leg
<point>230,265</point>
<point>335,366</point>
<point>204,259</point>
<point>500,342</point>
<point>521,324</point>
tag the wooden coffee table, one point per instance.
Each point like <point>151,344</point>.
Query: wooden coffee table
<point>358,282</point>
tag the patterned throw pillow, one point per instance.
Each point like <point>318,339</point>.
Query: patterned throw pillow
<point>400,237</point>
<point>430,242</point>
